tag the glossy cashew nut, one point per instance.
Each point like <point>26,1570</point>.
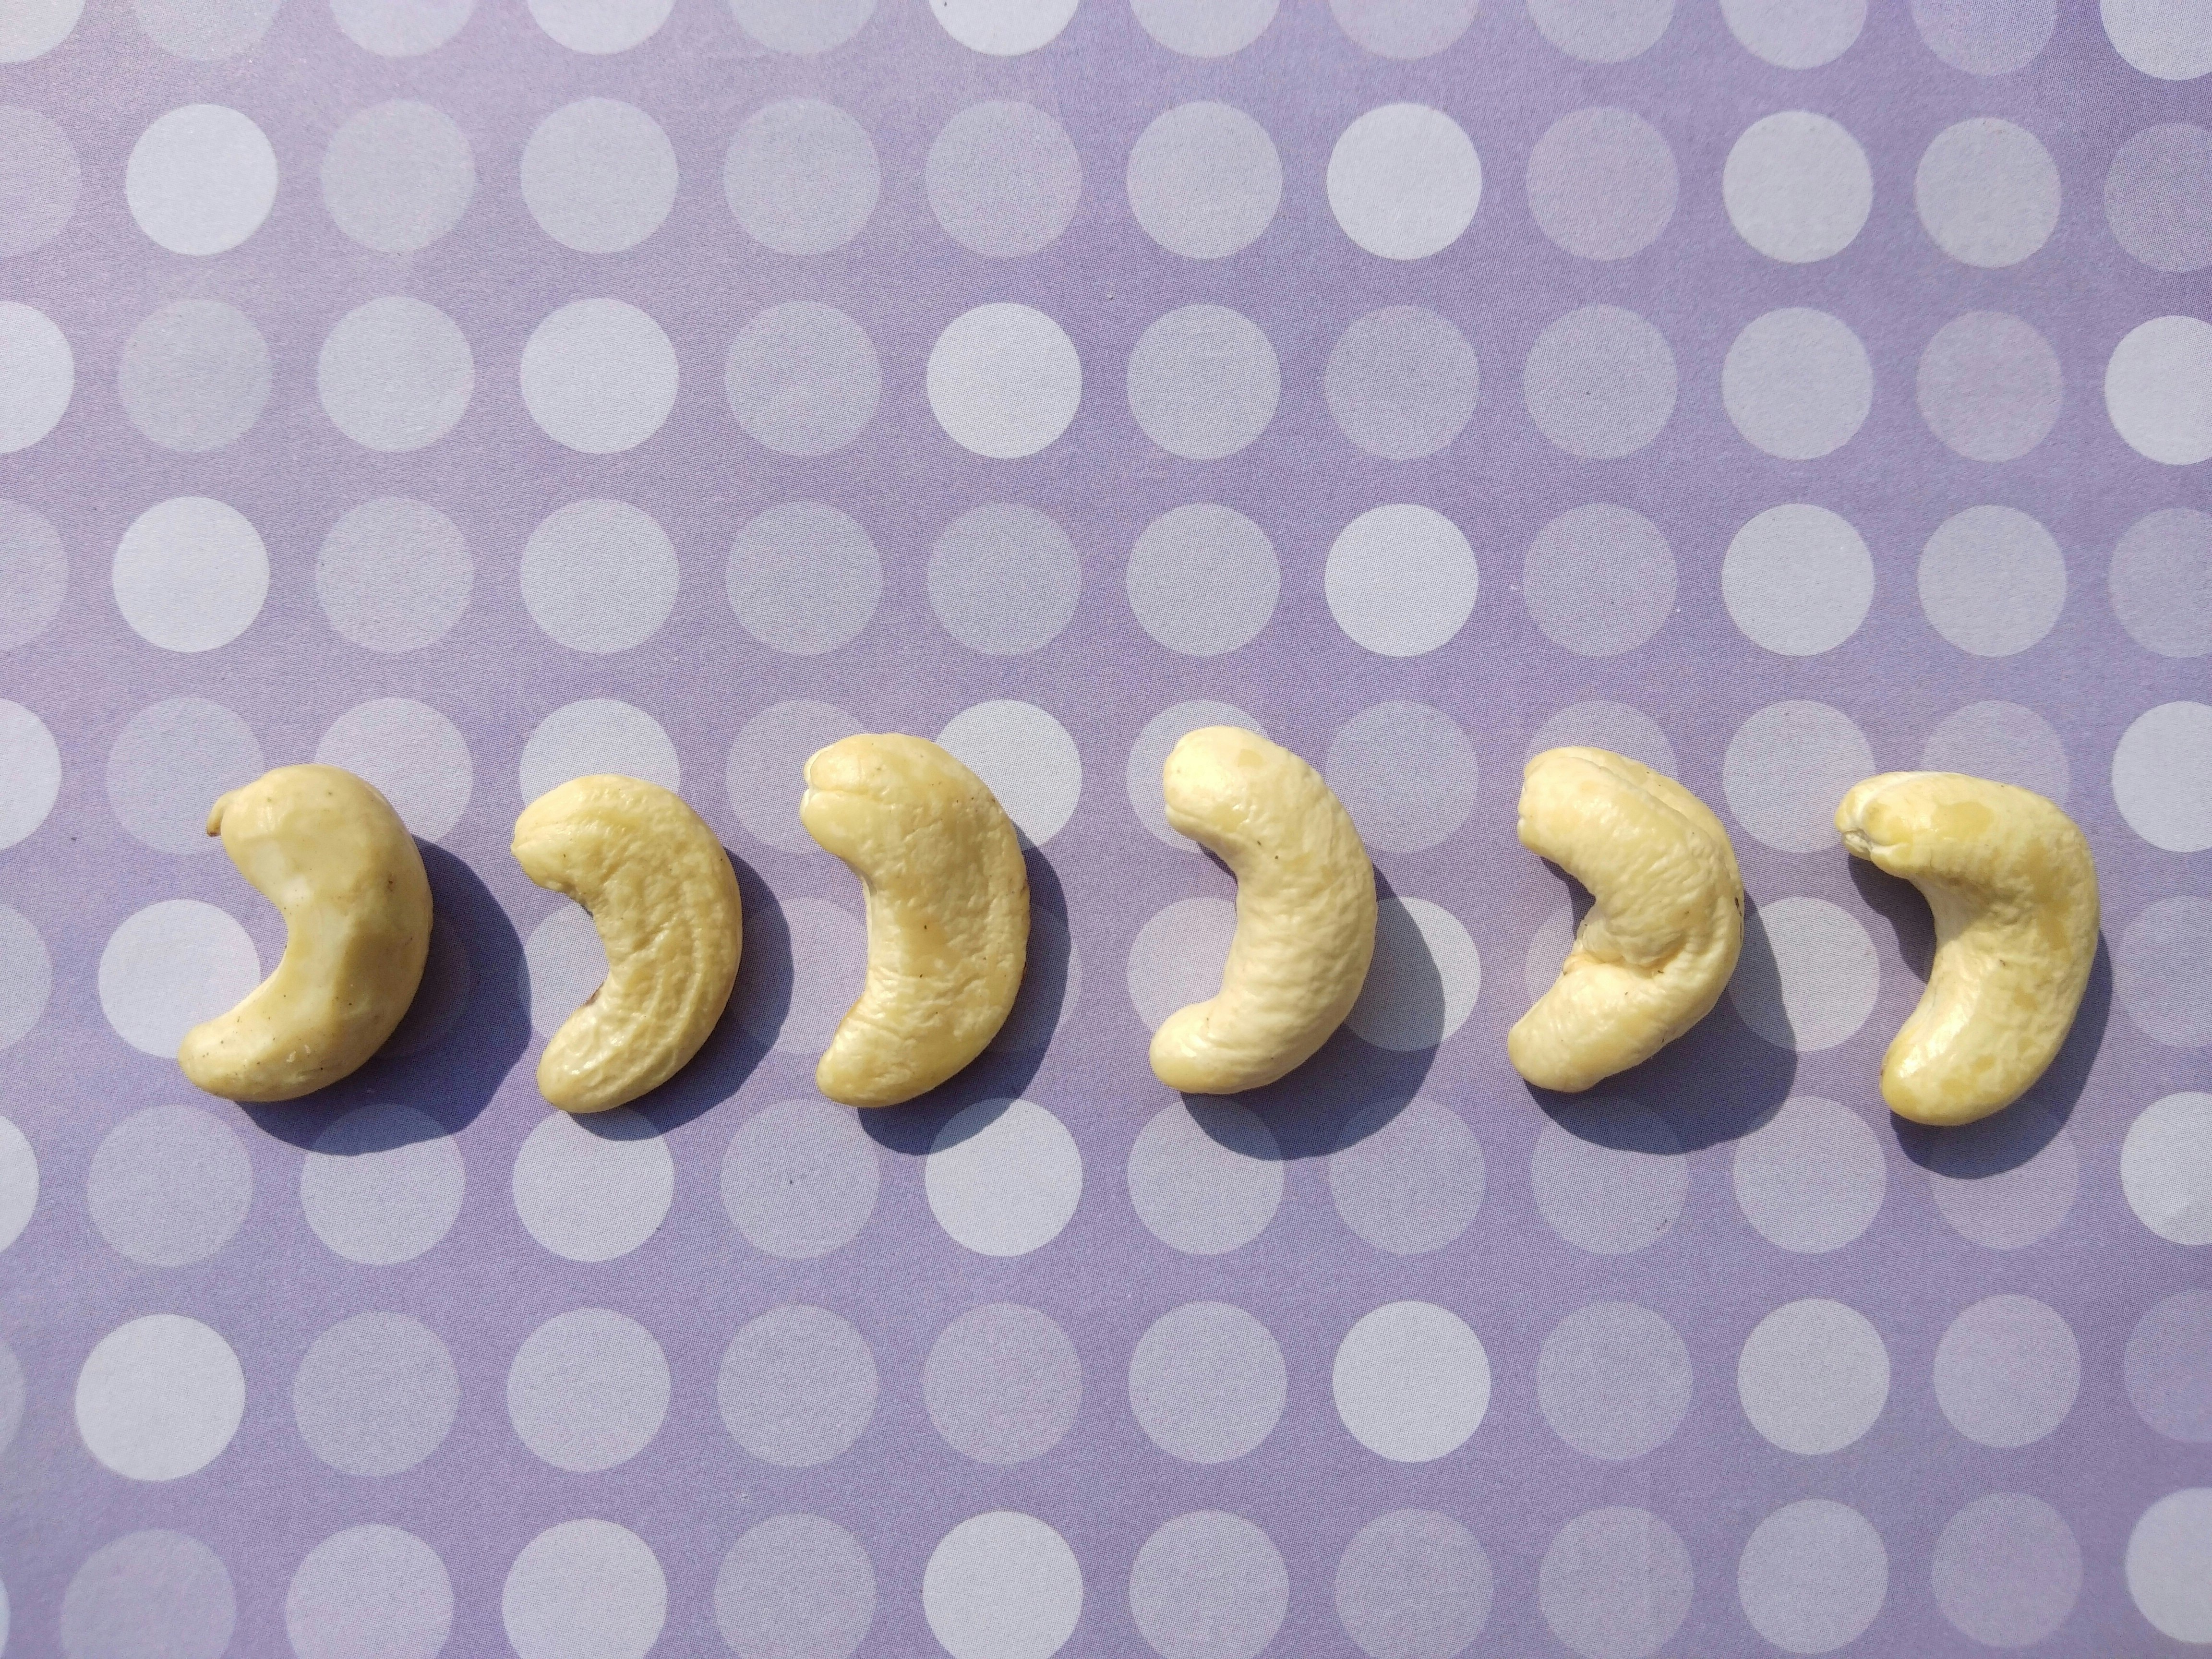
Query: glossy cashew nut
<point>665,900</point>
<point>330,854</point>
<point>1305,912</point>
<point>2013,889</point>
<point>1665,924</point>
<point>948,901</point>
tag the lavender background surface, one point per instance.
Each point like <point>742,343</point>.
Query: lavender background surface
<point>1617,1483</point>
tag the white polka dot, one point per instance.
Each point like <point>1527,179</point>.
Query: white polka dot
<point>1798,187</point>
<point>34,28</point>
<point>1985,37</point>
<point>397,176</point>
<point>1404,181</point>
<point>1615,1584</point>
<point>401,28</point>
<point>31,764</point>
<point>765,774</point>
<point>804,28</point>
<point>563,961</point>
<point>1602,31</point>
<point>1002,1383</point>
<point>394,575</point>
<point>205,31</point>
<point>33,571</point>
<point>1613,726</point>
<point>1813,1576</point>
<point>1600,382</point>
<point>1205,28</point>
<point>1204,180</point>
<point>2158,967</point>
<point>190,574</point>
<point>1401,579</point>
<point>598,175</point>
<point>2162,777</point>
<point>2003,741</point>
<point>1424,980</point>
<point>1207,1383</point>
<point>40,185</point>
<point>1402,383</point>
<point>1003,1177</point>
<point>2161,582</point>
<point>169,1185</point>
<point>38,375</point>
<point>2165,39</point>
<point>598,734</point>
<point>395,374</point>
<point>1989,387</point>
<point>1004,579</point>
<point>2169,1564</point>
<point>194,376</point>
<point>1003,180</point>
<point>1796,34</point>
<point>1178,956</point>
<point>375,1395</point>
<point>1404,29</point>
<point>1148,756</point>
<point>829,957</point>
<point>1992,581</point>
<point>2165,1168</point>
<point>149,1596</point>
<point>168,766</point>
<point>201,179</point>
<point>796,1585</point>
<point>1797,384</point>
<point>1811,1178</point>
<point>1003,28</point>
<point>803,379</point>
<point>600,576</point>
<point>371,1592</point>
<point>2157,390</point>
<point>803,578</point>
<point>1209,1585</point>
<point>1599,579</point>
<point>170,966</point>
<point>1406,1180</point>
<point>159,1398</point>
<point>1812,1377</point>
<point>1025,757</point>
<point>1987,192</point>
<point>1414,1584</point>
<point>1809,975</point>
<point>2007,1570</point>
<point>1602,183</point>
<point>2007,1371</point>
<point>599,376</point>
<point>1405,772</point>
<point>1787,767</point>
<point>1798,579</point>
<point>584,1589</point>
<point>587,1390</point>
<point>600,28</point>
<point>1616,1192</point>
<point>2158,197</point>
<point>2008,1181</point>
<point>798,1387</point>
<point>1002,1585</point>
<point>412,753</point>
<point>1614,1380</point>
<point>801,177</point>
<point>1203,580</point>
<point>800,1179</point>
<point>1204,1176</point>
<point>593,1189</point>
<point>1004,380</point>
<point>1203,382</point>
<point>2168,1367</point>
<point>27,977</point>
<point>382,1184</point>
<point>19,1184</point>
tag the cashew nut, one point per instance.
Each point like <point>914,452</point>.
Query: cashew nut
<point>1666,921</point>
<point>1305,912</point>
<point>665,900</point>
<point>948,899</point>
<point>2013,889</point>
<point>330,853</point>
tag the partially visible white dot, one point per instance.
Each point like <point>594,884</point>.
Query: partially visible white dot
<point>598,734</point>
<point>1204,382</point>
<point>1004,380</point>
<point>2162,777</point>
<point>1797,186</point>
<point>41,180</point>
<point>169,1185</point>
<point>1985,37</point>
<point>1003,1177</point>
<point>395,374</point>
<point>382,1184</point>
<point>765,774</point>
<point>33,572</point>
<point>201,179</point>
<point>401,28</point>
<point>150,1587</point>
<point>1209,1585</point>
<point>1811,1178</point>
<point>1797,580</point>
<point>2165,1168</point>
<point>1002,1585</point>
<point>1809,975</point>
<point>1797,384</point>
<point>27,980</point>
<point>1203,580</point>
<point>1401,579</point>
<point>829,948</point>
<point>598,175</point>
<point>1004,579</point>
<point>2158,196</point>
<point>1404,181</point>
<point>2003,742</point>
<point>1148,758</point>
<point>1406,29</point>
<point>600,28</point>
<point>1424,980</point>
<point>205,31</point>
<point>1812,1377</point>
<point>1414,1584</point>
<point>1408,1179</point>
<point>795,1587</point>
<point>2157,390</point>
<point>1598,725</point>
<point>593,1189</point>
<point>1615,1584</point>
<point>1987,192</point>
<point>394,575</point>
<point>801,177</point>
<point>32,28</point>
<point>587,1390</point>
<point>1208,1384</point>
<point>1786,770</point>
<point>2166,40</point>
<point>169,764</point>
<point>1989,387</point>
<point>19,1184</point>
<point>2159,968</point>
<point>31,766</point>
<point>1602,31</point>
<point>1407,773</point>
<point>2007,1371</point>
<point>600,576</point>
<point>804,28</point>
<point>800,1178</point>
<point>2160,581</point>
<point>1204,180</point>
<point>1204,1176</point>
<point>195,375</point>
<point>190,574</point>
<point>599,376</point>
<point>1178,956</point>
<point>1205,28</point>
<point>1003,28</point>
<point>2006,1180</point>
<point>803,578</point>
<point>159,1398</point>
<point>1025,757</point>
<point>564,963</point>
<point>2007,1570</point>
<point>370,1592</point>
<point>38,375</point>
<point>1796,34</point>
<point>397,176</point>
<point>803,379</point>
<point>584,1589</point>
<point>170,966</point>
<point>1813,1576</point>
<point>1600,382</point>
<point>2169,1564</point>
<point>1616,1192</point>
<point>1599,579</point>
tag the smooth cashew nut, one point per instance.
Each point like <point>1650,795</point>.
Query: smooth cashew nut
<point>948,899</point>
<point>2013,890</point>
<point>663,896</point>
<point>1666,921</point>
<point>1305,912</point>
<point>330,853</point>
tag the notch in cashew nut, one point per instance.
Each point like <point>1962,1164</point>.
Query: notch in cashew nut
<point>1665,924</point>
<point>330,853</point>
<point>948,900</point>
<point>665,900</point>
<point>2013,887</point>
<point>1305,912</point>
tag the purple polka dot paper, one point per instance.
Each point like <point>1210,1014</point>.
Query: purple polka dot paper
<point>479,394</point>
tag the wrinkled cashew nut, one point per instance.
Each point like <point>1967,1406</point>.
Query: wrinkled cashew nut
<point>665,900</point>
<point>1305,912</point>
<point>1665,924</point>
<point>948,902</point>
<point>2013,889</point>
<point>330,853</point>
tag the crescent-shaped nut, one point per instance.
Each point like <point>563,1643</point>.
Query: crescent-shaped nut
<point>2013,889</point>
<point>663,896</point>
<point>948,899</point>
<point>330,853</point>
<point>1666,919</point>
<point>1305,912</point>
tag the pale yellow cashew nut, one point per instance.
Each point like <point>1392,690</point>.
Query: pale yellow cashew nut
<point>1665,924</point>
<point>948,901</point>
<point>330,853</point>
<point>2013,887</point>
<point>665,900</point>
<point>1305,912</point>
